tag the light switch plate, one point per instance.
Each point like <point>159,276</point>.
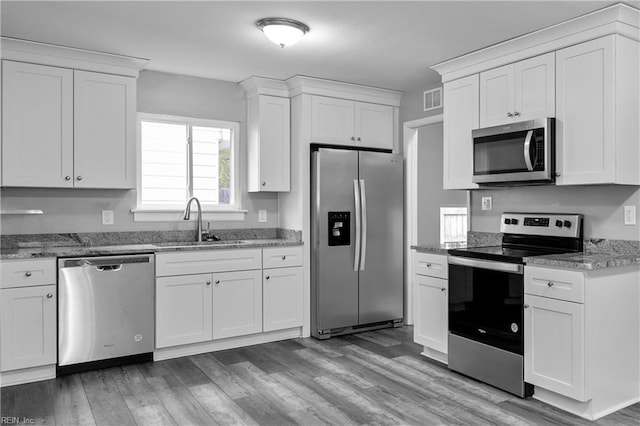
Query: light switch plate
<point>487,203</point>
<point>107,217</point>
<point>262,215</point>
<point>629,215</point>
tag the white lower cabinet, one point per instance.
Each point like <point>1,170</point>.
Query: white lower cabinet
<point>582,338</point>
<point>430,304</point>
<point>282,298</point>
<point>237,303</point>
<point>183,310</point>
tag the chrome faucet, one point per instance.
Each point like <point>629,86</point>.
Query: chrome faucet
<point>187,215</point>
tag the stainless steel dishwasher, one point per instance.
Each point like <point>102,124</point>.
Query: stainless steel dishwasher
<point>105,311</point>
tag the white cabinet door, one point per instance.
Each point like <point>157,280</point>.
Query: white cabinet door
<point>496,96</point>
<point>282,298</point>
<point>535,88</point>
<point>461,115</point>
<point>268,125</point>
<point>104,130</point>
<point>237,303</point>
<point>431,310</point>
<point>28,327</point>
<point>37,125</point>
<point>183,310</point>
<point>554,346</point>
<point>585,132</point>
<point>374,125</point>
<point>332,121</point>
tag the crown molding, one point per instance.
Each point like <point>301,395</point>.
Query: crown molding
<point>69,57</point>
<point>619,19</point>
<point>255,85</point>
<point>299,84</point>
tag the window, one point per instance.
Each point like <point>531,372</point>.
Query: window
<point>182,157</point>
<point>453,224</point>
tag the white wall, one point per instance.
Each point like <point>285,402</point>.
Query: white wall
<point>74,210</point>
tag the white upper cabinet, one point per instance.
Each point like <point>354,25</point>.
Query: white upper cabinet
<point>104,130</point>
<point>269,143</point>
<point>461,103</point>
<point>351,123</point>
<point>37,125</point>
<point>597,126</point>
<point>516,92</point>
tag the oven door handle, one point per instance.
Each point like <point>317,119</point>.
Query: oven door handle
<point>513,268</point>
<point>527,151</point>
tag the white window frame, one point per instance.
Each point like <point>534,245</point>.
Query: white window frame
<point>452,211</point>
<point>232,212</point>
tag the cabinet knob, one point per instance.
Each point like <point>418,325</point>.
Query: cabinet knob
<point>509,114</point>
<point>525,306</point>
<point>49,295</point>
<point>443,289</point>
<point>516,114</point>
<point>264,183</point>
<point>217,281</point>
<point>550,284</point>
<point>557,174</point>
<point>27,274</point>
<point>208,282</point>
<point>79,178</point>
<point>67,178</point>
<point>428,266</point>
<point>358,138</point>
<point>267,277</point>
<point>352,138</point>
<point>284,257</point>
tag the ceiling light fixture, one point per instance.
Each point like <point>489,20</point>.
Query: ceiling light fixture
<point>282,31</point>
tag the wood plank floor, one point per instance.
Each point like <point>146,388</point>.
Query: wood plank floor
<point>376,378</point>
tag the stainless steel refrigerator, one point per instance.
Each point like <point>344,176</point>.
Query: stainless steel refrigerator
<point>356,235</point>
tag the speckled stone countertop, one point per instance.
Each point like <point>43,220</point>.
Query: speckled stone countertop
<point>117,243</point>
<point>597,254</point>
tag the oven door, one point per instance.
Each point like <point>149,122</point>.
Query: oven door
<point>520,152</point>
<point>486,302</point>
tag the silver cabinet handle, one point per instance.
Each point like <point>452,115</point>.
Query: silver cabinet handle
<point>79,178</point>
<point>67,178</point>
<point>49,295</point>
<point>509,114</point>
<point>550,284</point>
<point>267,277</point>
<point>264,183</point>
<point>217,281</point>
<point>353,138</point>
<point>208,282</point>
<point>428,266</point>
<point>27,274</point>
<point>516,114</point>
<point>358,138</point>
<point>557,174</point>
<point>525,306</point>
<point>443,289</point>
<point>284,257</point>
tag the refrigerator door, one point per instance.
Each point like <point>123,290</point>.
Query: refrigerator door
<point>381,275</point>
<point>334,283</point>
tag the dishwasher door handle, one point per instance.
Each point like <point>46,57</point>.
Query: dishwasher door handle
<point>105,268</point>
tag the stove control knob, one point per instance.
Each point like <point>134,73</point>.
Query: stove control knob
<point>507,221</point>
<point>559,223</point>
<point>514,221</point>
<point>567,224</point>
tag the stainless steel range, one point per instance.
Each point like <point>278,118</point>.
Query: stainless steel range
<point>486,296</point>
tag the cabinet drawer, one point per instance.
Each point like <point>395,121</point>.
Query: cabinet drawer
<point>281,257</point>
<point>433,265</point>
<point>27,273</point>
<point>203,261</point>
<point>555,283</point>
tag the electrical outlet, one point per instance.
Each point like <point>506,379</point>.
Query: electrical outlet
<point>107,217</point>
<point>629,215</point>
<point>262,215</point>
<point>487,203</point>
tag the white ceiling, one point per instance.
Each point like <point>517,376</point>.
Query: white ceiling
<point>388,44</point>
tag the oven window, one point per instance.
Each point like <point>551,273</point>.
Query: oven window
<point>486,306</point>
<point>499,154</point>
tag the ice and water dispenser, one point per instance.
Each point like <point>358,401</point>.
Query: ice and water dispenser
<point>339,227</point>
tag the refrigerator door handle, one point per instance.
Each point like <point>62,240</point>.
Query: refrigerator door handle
<point>363,196</point>
<point>356,196</point>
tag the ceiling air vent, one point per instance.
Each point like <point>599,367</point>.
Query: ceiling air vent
<point>433,99</point>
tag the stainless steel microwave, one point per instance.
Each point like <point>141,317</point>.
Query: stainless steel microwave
<point>518,153</point>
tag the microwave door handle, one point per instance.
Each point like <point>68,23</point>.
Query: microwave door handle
<point>527,150</point>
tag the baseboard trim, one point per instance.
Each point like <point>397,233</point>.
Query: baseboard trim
<point>27,375</point>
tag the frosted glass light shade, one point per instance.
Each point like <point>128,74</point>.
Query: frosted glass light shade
<point>282,31</point>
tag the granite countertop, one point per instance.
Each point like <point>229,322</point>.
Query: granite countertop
<point>104,244</point>
<point>438,248</point>
<point>584,260</point>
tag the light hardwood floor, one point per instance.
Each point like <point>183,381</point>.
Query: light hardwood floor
<point>375,377</point>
